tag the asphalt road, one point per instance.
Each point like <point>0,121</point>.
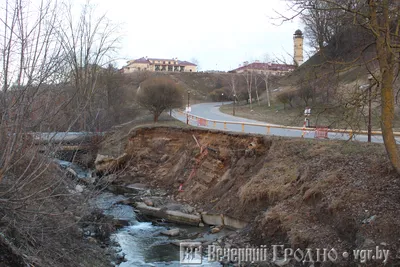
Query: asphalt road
<point>211,112</point>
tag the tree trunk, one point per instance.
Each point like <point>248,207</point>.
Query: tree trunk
<point>155,118</point>
<point>269,101</point>
<point>250,101</point>
<point>258,99</point>
<point>387,120</point>
<point>386,64</point>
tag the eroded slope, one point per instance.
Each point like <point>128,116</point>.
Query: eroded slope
<point>304,193</point>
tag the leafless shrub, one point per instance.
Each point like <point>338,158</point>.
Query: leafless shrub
<point>158,94</point>
<point>286,97</point>
<point>38,212</point>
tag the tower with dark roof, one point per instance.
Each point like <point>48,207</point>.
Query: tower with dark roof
<point>298,47</point>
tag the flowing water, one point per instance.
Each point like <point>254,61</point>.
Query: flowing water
<point>142,242</point>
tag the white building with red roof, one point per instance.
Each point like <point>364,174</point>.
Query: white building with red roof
<point>262,68</point>
<point>159,64</point>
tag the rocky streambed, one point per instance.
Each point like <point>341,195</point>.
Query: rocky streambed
<point>144,226</point>
<point>160,224</point>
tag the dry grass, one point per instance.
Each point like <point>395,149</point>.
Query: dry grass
<point>304,193</point>
<point>38,216</point>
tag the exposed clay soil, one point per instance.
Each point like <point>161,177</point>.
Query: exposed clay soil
<point>302,193</point>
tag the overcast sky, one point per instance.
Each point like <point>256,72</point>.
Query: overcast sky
<point>220,34</point>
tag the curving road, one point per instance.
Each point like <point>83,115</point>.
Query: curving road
<point>211,112</point>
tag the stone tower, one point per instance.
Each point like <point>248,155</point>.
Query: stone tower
<point>298,47</point>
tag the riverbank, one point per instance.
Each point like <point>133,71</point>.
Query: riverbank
<point>45,218</point>
<point>295,192</point>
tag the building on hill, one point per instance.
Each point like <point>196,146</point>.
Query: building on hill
<point>273,68</point>
<point>262,68</point>
<point>159,64</point>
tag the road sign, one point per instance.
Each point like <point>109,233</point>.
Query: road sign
<point>307,111</point>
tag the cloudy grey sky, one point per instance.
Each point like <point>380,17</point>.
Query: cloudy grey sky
<point>220,34</point>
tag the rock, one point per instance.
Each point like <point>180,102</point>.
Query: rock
<point>120,259</point>
<point>215,230</point>
<point>164,158</point>
<point>172,232</point>
<point>148,202</point>
<point>106,163</point>
<point>201,224</point>
<point>79,188</point>
<point>189,209</point>
<point>369,220</point>
<point>368,243</point>
<point>92,240</point>
<point>119,223</point>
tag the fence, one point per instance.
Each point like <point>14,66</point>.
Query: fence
<point>321,132</point>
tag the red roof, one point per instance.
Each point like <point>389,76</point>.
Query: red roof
<point>267,66</point>
<point>144,60</point>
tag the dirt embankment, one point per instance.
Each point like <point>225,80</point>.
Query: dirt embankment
<point>301,193</point>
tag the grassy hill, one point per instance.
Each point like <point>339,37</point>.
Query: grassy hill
<point>333,82</point>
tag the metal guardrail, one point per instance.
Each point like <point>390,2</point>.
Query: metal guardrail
<point>273,126</point>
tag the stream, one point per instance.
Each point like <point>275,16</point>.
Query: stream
<point>141,242</point>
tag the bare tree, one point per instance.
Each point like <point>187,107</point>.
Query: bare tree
<point>257,83</point>
<point>248,76</point>
<point>380,19</point>
<point>265,76</point>
<point>90,43</point>
<point>286,97</point>
<point>36,223</point>
<point>233,83</point>
<point>30,57</point>
<point>158,94</point>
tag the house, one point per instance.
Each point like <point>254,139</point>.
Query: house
<point>159,64</point>
<point>274,68</point>
<point>262,68</point>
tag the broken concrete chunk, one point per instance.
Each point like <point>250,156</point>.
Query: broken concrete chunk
<point>172,232</point>
<point>148,202</point>
<point>215,230</point>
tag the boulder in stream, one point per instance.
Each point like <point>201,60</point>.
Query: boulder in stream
<point>171,232</point>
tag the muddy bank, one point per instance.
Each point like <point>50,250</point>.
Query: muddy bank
<point>300,193</point>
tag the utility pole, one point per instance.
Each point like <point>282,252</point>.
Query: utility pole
<point>370,78</point>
